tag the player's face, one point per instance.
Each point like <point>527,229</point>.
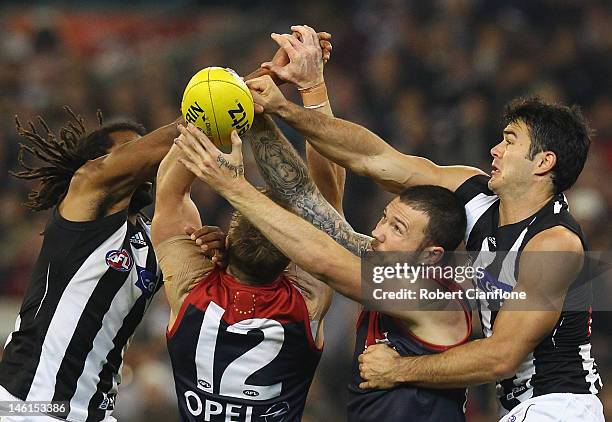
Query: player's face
<point>511,165</point>
<point>401,228</point>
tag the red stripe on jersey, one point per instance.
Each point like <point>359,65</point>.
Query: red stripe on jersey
<point>453,287</point>
<point>374,332</point>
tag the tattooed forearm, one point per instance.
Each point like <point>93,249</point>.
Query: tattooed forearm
<point>237,169</point>
<point>283,169</point>
<point>313,208</point>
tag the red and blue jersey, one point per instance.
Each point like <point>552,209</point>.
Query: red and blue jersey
<point>242,352</point>
<point>405,402</point>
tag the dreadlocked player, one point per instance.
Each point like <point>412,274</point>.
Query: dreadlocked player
<point>96,271</point>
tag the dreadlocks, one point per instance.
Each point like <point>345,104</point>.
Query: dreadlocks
<point>63,154</point>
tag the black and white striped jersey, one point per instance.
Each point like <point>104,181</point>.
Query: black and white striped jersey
<point>90,288</point>
<point>562,362</point>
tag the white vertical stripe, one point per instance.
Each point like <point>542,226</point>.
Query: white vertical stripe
<point>588,364</point>
<point>485,319</point>
<point>207,342</point>
<point>17,327</point>
<point>507,271</point>
<point>145,226</point>
<point>483,260</point>
<point>140,257</point>
<point>475,208</point>
<point>103,343</point>
<point>46,290</point>
<point>65,319</point>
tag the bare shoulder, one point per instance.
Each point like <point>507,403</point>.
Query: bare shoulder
<point>86,174</point>
<point>316,294</point>
<point>85,200</point>
<point>555,239</point>
<point>453,177</point>
<point>550,262</point>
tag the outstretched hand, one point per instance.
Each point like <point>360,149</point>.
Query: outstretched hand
<point>220,171</point>
<point>300,57</point>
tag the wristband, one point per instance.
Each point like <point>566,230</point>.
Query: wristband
<point>315,96</point>
<point>312,107</point>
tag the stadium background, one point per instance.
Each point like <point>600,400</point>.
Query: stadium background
<point>430,77</point>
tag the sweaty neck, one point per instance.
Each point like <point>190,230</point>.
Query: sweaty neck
<point>515,207</point>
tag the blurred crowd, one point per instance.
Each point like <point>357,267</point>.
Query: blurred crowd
<point>430,77</point>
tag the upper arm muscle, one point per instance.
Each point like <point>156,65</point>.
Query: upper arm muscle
<point>396,171</point>
<point>171,218</point>
<point>116,175</point>
<point>550,262</point>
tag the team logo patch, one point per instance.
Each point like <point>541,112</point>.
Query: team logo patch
<point>146,281</point>
<point>119,260</point>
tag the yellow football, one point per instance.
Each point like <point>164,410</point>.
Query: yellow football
<point>217,101</point>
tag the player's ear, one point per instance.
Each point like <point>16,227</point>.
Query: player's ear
<point>432,255</point>
<point>546,161</point>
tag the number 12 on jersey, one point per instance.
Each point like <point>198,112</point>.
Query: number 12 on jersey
<point>233,380</point>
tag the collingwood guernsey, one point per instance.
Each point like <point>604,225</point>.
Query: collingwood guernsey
<point>562,362</point>
<point>89,290</point>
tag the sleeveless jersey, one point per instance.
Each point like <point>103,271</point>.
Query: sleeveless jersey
<point>89,290</point>
<point>562,362</point>
<point>406,402</point>
<point>242,353</point>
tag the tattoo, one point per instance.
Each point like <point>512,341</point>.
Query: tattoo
<point>237,169</point>
<point>283,169</point>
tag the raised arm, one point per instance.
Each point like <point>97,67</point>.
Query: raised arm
<point>105,185</point>
<point>285,172</point>
<point>304,69</point>
<point>174,208</point>
<point>355,147</point>
<point>128,165</point>
<point>305,60</point>
<point>328,176</point>
<point>308,247</point>
<point>180,259</point>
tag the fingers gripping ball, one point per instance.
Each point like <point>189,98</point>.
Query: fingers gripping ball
<point>217,101</point>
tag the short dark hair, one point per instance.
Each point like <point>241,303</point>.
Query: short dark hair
<point>447,220</point>
<point>63,154</point>
<point>557,128</point>
<point>250,252</point>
